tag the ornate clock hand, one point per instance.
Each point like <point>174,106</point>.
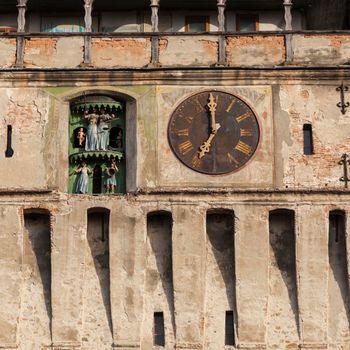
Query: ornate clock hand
<point>205,147</point>
<point>212,108</point>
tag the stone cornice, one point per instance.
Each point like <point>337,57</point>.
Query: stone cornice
<point>184,76</point>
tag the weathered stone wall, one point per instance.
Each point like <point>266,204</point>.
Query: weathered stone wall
<point>283,327</point>
<point>177,50</point>
<point>79,314</point>
<point>104,293</point>
<point>316,105</point>
<point>115,52</point>
<point>52,52</point>
<point>39,118</point>
<point>220,294</point>
<point>36,312</point>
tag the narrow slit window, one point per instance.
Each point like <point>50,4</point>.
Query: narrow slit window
<point>158,331</point>
<point>229,329</point>
<point>9,151</point>
<point>308,143</point>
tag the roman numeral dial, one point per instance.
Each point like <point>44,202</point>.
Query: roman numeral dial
<point>214,132</point>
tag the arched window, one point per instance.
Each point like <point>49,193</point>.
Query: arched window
<point>97,139</point>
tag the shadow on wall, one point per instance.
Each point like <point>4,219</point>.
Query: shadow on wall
<point>282,246</point>
<point>220,231</point>
<point>337,254</point>
<point>37,256</point>
<point>98,240</point>
<point>221,245</point>
<point>159,231</point>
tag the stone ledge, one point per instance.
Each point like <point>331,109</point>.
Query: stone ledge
<point>65,346</point>
<point>313,346</point>
<point>251,346</point>
<point>189,346</point>
<point>7,346</point>
<point>125,345</point>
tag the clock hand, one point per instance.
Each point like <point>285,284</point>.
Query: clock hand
<point>212,108</point>
<point>205,147</point>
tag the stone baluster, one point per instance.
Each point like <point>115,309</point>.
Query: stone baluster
<point>155,39</point>
<point>288,14</point>
<point>221,14</point>
<point>221,4</point>
<point>21,22</point>
<point>155,18</point>
<point>288,26</point>
<point>88,28</point>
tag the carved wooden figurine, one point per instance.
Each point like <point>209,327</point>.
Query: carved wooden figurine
<point>91,143</point>
<point>103,130</point>
<point>83,181</point>
<point>111,181</point>
<point>81,136</point>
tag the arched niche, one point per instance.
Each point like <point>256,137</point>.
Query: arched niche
<point>159,281</point>
<point>121,132</point>
<point>37,279</point>
<point>338,277</point>
<point>283,307</point>
<point>97,301</point>
<point>220,278</point>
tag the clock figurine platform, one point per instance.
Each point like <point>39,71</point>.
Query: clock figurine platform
<point>214,132</point>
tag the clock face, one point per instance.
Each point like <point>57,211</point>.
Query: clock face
<point>214,132</point>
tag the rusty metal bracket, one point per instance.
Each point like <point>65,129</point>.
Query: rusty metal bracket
<point>342,104</point>
<point>345,161</point>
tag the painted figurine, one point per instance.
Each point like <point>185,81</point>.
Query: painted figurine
<point>83,180</point>
<point>111,181</point>
<point>81,136</point>
<point>91,143</point>
<point>103,130</point>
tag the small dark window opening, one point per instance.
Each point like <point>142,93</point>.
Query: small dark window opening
<point>308,143</point>
<point>336,223</point>
<point>9,151</point>
<point>158,331</point>
<point>116,138</point>
<point>79,137</point>
<point>229,329</point>
<point>197,24</point>
<point>247,22</point>
<point>97,180</point>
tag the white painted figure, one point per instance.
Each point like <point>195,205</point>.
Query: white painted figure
<point>111,181</point>
<point>91,143</point>
<point>103,130</point>
<point>83,180</point>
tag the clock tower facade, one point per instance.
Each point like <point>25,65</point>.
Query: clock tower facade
<point>174,175</point>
